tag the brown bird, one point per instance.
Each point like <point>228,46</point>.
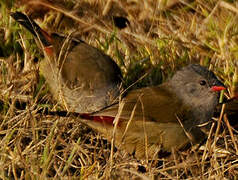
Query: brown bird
<point>81,77</point>
<point>147,120</point>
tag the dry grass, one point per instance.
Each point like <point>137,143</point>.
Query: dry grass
<point>35,146</point>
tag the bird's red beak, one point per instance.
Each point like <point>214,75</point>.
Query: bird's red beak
<point>217,88</point>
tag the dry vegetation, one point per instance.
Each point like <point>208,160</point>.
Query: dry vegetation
<point>157,40</point>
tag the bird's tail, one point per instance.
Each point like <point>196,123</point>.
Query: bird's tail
<point>86,116</point>
<point>34,28</point>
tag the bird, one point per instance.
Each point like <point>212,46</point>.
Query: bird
<point>72,68</point>
<point>144,121</point>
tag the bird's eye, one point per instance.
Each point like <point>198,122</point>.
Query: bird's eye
<point>202,82</point>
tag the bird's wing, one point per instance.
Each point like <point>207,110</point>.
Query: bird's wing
<point>155,104</point>
<point>91,67</point>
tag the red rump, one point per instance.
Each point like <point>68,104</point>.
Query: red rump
<point>101,119</point>
<point>49,50</point>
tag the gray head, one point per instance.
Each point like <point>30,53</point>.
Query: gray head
<point>196,85</point>
<point>197,88</point>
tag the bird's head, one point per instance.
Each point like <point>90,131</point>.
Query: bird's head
<point>196,84</point>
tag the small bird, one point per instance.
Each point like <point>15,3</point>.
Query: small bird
<point>80,77</point>
<point>148,120</point>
